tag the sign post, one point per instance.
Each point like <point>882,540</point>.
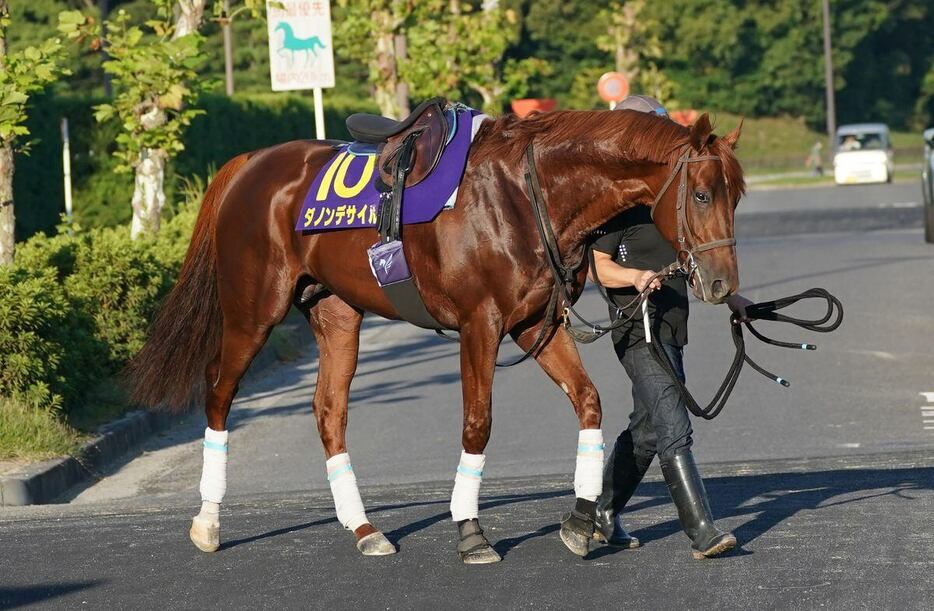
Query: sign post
<point>300,51</point>
<point>613,87</point>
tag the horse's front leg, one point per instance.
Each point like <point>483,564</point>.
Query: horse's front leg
<point>560,360</point>
<point>479,345</point>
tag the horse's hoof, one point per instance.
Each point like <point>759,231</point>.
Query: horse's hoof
<point>375,544</point>
<point>577,542</point>
<point>577,529</point>
<point>482,555</point>
<point>205,535</point>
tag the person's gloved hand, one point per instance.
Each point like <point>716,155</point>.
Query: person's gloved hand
<point>738,304</point>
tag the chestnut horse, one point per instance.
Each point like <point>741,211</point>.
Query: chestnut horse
<point>481,269</point>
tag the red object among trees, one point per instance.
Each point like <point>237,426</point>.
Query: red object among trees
<point>684,117</point>
<point>527,106</point>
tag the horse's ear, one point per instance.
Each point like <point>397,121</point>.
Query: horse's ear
<point>700,132</point>
<point>733,137</point>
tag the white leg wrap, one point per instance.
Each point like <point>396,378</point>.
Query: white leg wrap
<point>214,472</point>
<point>588,474</point>
<point>465,499</point>
<point>347,499</point>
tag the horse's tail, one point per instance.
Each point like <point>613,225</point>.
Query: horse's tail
<point>186,333</point>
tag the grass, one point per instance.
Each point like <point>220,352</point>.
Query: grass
<point>781,144</point>
<point>31,434</point>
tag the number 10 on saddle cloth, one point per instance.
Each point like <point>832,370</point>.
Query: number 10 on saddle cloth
<point>344,196</point>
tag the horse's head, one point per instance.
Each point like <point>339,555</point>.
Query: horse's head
<point>694,210</point>
<point>283,26</point>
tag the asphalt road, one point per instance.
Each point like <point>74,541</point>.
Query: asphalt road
<point>834,533</point>
<point>851,528</point>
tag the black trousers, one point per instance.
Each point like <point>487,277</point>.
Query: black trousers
<point>659,422</point>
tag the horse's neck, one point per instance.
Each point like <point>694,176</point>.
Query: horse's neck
<point>592,198</point>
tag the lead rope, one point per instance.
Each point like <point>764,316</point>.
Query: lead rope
<point>759,311</point>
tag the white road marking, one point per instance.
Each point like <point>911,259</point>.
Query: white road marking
<point>928,396</point>
<point>901,205</point>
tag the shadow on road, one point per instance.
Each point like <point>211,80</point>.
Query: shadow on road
<point>766,500</point>
<point>770,500</point>
<point>14,597</point>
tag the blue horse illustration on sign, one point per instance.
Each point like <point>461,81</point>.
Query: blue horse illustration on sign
<point>292,43</point>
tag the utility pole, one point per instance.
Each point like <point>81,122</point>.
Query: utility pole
<point>228,49</point>
<point>828,75</point>
<point>108,87</point>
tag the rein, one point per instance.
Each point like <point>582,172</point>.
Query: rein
<point>758,311</point>
<point>564,276</point>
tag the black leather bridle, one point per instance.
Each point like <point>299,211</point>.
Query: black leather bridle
<point>687,264</point>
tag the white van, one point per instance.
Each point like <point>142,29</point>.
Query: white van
<point>863,153</point>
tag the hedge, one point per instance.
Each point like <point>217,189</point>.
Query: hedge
<point>75,307</point>
<point>102,197</point>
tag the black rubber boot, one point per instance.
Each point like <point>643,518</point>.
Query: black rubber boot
<point>621,475</point>
<point>687,492</point>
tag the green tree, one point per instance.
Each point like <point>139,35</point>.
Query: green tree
<point>374,32</point>
<point>154,72</point>
<point>632,40</point>
<point>22,74</point>
<point>473,63</point>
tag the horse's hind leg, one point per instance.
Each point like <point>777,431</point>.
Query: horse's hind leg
<point>240,343</point>
<point>337,330</point>
<point>560,360</point>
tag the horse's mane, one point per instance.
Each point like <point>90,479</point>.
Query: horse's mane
<point>608,135</point>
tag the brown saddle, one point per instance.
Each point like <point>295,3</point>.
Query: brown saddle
<point>426,124</point>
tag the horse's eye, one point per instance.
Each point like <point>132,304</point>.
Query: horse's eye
<point>702,197</point>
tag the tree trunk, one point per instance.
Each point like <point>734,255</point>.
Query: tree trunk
<point>188,19</point>
<point>384,62</point>
<point>7,218</point>
<point>228,50</point>
<point>148,193</point>
<point>149,185</point>
<point>402,88</point>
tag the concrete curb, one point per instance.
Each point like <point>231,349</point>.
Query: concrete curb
<point>45,481</point>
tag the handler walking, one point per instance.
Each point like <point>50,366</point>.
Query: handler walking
<point>627,253</point>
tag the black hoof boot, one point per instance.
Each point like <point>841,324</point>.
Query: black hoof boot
<point>577,527</point>
<point>688,493</point>
<point>473,547</point>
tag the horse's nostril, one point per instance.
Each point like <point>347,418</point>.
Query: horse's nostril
<point>718,289</point>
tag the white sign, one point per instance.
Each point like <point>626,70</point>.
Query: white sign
<point>300,53</point>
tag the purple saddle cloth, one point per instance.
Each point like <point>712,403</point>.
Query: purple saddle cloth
<point>343,194</point>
